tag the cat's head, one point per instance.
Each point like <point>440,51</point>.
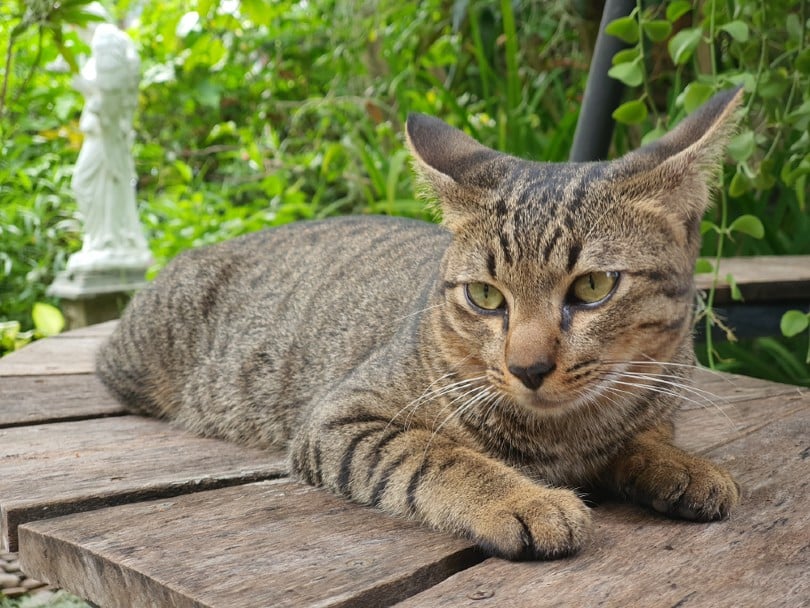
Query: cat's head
<point>563,282</point>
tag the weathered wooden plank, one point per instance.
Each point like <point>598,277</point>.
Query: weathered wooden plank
<point>760,557</point>
<point>762,278</point>
<point>266,544</point>
<point>703,427</point>
<point>52,356</point>
<point>99,330</point>
<point>26,400</point>
<point>52,469</point>
<point>724,387</point>
<point>70,353</point>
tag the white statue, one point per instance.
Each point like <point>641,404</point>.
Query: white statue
<point>104,178</point>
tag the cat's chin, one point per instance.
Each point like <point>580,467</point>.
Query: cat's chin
<point>545,404</point>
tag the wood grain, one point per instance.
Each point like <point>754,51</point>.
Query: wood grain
<point>52,356</point>
<point>72,352</point>
<point>26,400</point>
<point>99,330</point>
<point>267,544</point>
<point>762,278</point>
<point>702,428</point>
<point>53,469</point>
<point>760,557</point>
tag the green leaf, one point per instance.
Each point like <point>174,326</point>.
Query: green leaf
<point>695,94</point>
<point>651,136</point>
<point>703,266</point>
<point>737,30</point>
<point>657,29</point>
<point>630,74</point>
<point>793,323</point>
<point>740,183</point>
<point>624,28</point>
<point>741,146</point>
<point>677,9</point>
<point>48,319</point>
<point>706,226</point>
<point>748,224</point>
<point>631,112</point>
<point>683,44</point>
<point>186,173</point>
<point>626,55</point>
<point>736,294</point>
<point>802,63</point>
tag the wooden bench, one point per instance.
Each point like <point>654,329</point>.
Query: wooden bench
<point>769,285</point>
<point>126,511</point>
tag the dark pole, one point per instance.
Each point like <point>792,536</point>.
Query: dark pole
<point>602,93</point>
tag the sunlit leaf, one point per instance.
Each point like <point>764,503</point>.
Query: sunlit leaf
<point>741,146</point>
<point>48,319</point>
<point>677,9</point>
<point>657,29</point>
<point>630,74</point>
<point>737,30</point>
<point>624,28</point>
<point>794,322</point>
<point>683,44</point>
<point>703,266</point>
<point>748,224</point>
<point>631,112</point>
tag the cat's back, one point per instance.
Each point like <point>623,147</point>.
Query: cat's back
<point>274,316</point>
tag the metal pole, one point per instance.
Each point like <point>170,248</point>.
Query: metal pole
<point>602,93</point>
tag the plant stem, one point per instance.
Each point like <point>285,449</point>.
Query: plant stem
<point>4,89</point>
<point>710,319</point>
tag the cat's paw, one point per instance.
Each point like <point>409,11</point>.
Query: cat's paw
<point>684,486</point>
<point>541,524</point>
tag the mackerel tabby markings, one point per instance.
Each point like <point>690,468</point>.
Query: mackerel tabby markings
<point>352,343</point>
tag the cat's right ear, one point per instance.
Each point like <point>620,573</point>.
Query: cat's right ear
<point>461,173</point>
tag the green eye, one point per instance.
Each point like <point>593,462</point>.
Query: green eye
<point>485,296</point>
<point>593,287</point>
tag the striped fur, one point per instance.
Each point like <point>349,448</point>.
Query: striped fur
<point>352,342</point>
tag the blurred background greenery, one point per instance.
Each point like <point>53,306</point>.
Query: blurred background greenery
<point>254,113</point>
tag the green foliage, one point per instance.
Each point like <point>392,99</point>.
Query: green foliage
<point>268,113</point>
<point>60,599</point>
<point>779,359</point>
<point>793,323</point>
<point>255,114</point>
<point>680,56</point>
<point>763,47</point>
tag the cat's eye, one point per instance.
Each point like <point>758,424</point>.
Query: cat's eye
<point>485,296</point>
<point>593,287</point>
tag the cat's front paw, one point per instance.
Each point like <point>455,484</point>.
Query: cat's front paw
<point>541,524</point>
<point>681,485</point>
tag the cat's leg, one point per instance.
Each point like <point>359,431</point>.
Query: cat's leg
<point>651,471</point>
<point>413,472</point>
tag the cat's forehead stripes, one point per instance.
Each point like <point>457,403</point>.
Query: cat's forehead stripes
<point>536,213</point>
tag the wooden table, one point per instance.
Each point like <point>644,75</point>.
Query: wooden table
<point>130,512</point>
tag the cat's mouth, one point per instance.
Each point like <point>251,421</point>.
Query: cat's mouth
<point>542,400</point>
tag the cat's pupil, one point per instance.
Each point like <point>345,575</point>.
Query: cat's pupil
<point>593,287</point>
<point>485,297</point>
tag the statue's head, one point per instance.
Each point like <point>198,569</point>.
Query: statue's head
<point>116,60</point>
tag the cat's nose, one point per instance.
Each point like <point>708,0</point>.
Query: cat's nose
<point>532,377</point>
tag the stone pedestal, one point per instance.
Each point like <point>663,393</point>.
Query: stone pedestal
<point>95,296</point>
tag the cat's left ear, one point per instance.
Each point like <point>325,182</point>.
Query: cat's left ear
<point>676,174</point>
<point>458,170</point>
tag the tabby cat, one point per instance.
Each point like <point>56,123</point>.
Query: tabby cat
<point>472,375</point>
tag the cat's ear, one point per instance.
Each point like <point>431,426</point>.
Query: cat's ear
<point>459,171</point>
<point>676,174</point>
